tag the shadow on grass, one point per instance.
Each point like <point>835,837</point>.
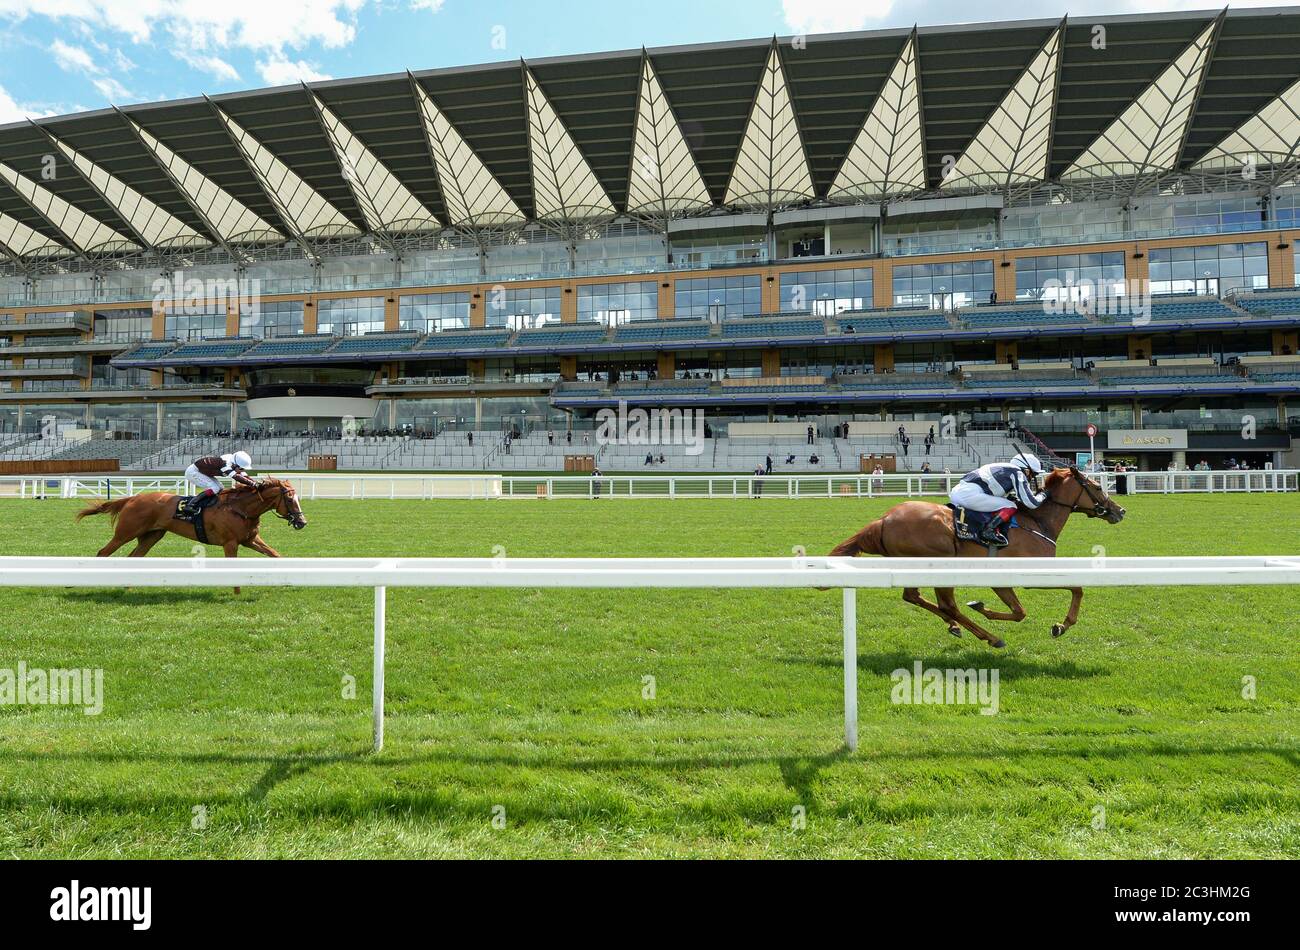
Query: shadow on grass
<point>441,795</point>
<point>149,596</point>
<point>1008,667</point>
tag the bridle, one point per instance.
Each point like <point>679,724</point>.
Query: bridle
<point>287,494</point>
<point>1098,509</point>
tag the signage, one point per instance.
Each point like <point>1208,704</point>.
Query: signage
<point>1091,431</point>
<point>1147,440</point>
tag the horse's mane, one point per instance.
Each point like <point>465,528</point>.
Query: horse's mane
<point>1055,476</point>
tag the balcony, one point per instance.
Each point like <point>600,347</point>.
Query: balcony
<point>69,321</point>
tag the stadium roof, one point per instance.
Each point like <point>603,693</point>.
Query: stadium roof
<point>844,118</point>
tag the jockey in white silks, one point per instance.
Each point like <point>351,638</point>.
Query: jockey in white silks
<point>996,489</point>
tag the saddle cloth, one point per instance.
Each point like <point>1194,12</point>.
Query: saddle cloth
<point>200,531</point>
<point>967,524</point>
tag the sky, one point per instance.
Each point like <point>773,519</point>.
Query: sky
<point>64,56</point>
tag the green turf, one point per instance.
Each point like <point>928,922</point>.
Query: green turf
<point>532,701</point>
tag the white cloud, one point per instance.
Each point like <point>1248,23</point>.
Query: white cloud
<point>214,66</point>
<point>834,16</point>
<point>110,88</point>
<point>281,71</point>
<point>204,24</point>
<point>433,6</point>
<point>73,58</point>
<point>12,111</point>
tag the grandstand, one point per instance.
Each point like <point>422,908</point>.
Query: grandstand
<point>1114,269</point>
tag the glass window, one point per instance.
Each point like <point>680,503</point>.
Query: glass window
<point>613,304</point>
<point>522,307</point>
<point>350,316</point>
<point>715,298</point>
<point>826,292</point>
<point>194,326</point>
<point>430,313</point>
<point>122,326</point>
<point>1209,269</point>
<point>272,318</point>
<point>1073,277</point>
<point>943,286</point>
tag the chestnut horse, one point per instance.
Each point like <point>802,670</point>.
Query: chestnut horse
<point>924,529</point>
<point>230,522</point>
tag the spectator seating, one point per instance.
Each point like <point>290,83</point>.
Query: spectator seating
<point>572,334</point>
<point>464,339</point>
<point>751,327</point>
<point>395,342</point>
<point>658,331</point>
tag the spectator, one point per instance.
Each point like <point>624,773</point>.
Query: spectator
<point>470,436</point>
<point>649,459</point>
<point>768,466</point>
<point>811,434</point>
<point>595,482</point>
<point>569,436</point>
<point>813,459</point>
<point>550,438</point>
<point>789,459</point>
<point>905,442</point>
<point>757,482</point>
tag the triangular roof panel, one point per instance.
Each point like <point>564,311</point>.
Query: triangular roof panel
<point>387,204</point>
<point>888,156</point>
<point>1012,146</point>
<point>1269,137</point>
<point>1148,136</point>
<point>155,225</point>
<point>472,195</point>
<point>771,168</point>
<point>88,235</point>
<point>300,205</point>
<point>20,241</point>
<point>664,177</point>
<point>232,220</point>
<point>564,186</point>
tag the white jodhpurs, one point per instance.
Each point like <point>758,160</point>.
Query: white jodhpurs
<point>969,495</point>
<point>203,482</point>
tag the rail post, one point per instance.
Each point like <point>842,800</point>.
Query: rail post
<point>851,668</point>
<point>377,697</point>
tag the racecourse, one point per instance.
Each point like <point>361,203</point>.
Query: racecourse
<point>523,723</point>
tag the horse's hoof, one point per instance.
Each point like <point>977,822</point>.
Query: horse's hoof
<point>997,644</point>
<point>954,629</point>
<point>1058,630</point>
<point>975,604</point>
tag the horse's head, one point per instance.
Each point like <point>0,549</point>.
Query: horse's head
<point>283,499</point>
<point>1076,491</point>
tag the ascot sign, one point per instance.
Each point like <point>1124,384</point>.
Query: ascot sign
<point>1146,440</point>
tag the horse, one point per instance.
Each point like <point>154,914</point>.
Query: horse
<point>231,522</point>
<point>925,529</point>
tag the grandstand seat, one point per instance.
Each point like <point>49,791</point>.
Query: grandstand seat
<point>579,334</point>
<point>661,330</point>
<point>464,339</point>
<point>292,346</point>
<point>749,327</point>
<point>376,343</point>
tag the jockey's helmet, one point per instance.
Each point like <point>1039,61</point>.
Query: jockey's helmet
<point>242,460</point>
<point>1028,462</point>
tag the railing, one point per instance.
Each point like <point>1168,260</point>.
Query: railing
<point>847,574</point>
<point>489,485</point>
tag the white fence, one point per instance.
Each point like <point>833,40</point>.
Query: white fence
<point>312,485</point>
<point>847,574</point>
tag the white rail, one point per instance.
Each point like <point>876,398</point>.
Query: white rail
<point>313,485</point>
<point>848,574</point>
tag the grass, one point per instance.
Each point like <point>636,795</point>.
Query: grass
<point>528,704</point>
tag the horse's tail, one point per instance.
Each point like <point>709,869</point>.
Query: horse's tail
<point>110,508</point>
<point>866,541</point>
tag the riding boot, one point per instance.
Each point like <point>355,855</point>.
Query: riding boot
<point>992,534</point>
<point>192,506</point>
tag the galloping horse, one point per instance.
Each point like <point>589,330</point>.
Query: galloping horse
<point>231,522</point>
<point>924,529</point>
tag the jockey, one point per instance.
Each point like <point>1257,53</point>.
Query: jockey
<point>204,473</point>
<point>996,488</point>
